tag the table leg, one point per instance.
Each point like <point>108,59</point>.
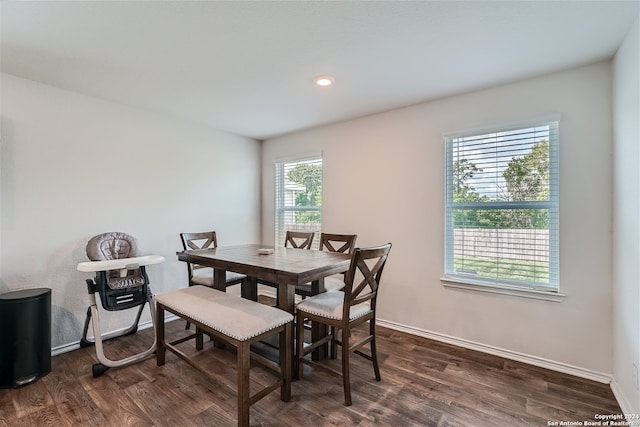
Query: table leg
<point>219,283</point>
<point>250,288</point>
<point>287,302</point>
<point>220,279</point>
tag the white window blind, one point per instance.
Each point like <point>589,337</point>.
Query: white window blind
<point>502,207</point>
<point>299,197</point>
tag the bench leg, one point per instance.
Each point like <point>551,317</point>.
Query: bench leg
<point>243,383</point>
<point>160,349</point>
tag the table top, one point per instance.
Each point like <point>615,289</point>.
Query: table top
<point>291,265</point>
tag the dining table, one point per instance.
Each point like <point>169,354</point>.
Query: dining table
<point>288,267</point>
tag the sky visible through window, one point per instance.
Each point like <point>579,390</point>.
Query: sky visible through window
<point>491,154</point>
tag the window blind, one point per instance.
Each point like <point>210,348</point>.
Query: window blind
<point>502,206</point>
<point>298,197</point>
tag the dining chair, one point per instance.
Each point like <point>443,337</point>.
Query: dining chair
<point>343,243</point>
<point>345,310</point>
<point>200,275</point>
<point>294,239</point>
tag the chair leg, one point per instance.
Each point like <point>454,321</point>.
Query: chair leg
<point>334,350</point>
<point>299,344</point>
<point>188,325</point>
<point>345,368</point>
<point>374,353</point>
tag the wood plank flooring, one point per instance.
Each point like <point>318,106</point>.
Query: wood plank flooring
<point>424,383</point>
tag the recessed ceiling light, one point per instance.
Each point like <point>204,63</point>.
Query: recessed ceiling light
<point>323,81</point>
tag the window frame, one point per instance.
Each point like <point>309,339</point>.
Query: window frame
<point>280,209</point>
<point>550,291</point>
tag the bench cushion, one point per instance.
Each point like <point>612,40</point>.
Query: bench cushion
<point>235,317</point>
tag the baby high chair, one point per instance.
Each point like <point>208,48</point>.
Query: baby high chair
<point>121,281</point>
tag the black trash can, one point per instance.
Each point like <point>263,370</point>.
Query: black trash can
<point>25,336</point>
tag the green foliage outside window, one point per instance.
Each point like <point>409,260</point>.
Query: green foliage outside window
<point>526,179</point>
<point>310,176</point>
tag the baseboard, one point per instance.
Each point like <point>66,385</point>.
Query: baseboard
<point>76,345</point>
<point>65,348</point>
<point>625,405</point>
<point>496,351</point>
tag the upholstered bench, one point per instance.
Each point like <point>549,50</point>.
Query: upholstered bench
<point>237,321</point>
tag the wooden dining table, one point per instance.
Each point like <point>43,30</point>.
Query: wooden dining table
<point>288,267</point>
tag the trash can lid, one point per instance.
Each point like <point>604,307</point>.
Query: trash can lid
<point>24,293</point>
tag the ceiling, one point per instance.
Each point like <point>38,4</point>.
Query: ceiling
<point>247,67</point>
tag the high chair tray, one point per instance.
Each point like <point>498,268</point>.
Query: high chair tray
<point>120,264</point>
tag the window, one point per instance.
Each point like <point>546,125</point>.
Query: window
<point>299,197</point>
<point>502,208</point>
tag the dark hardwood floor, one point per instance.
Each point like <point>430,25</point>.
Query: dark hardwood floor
<point>424,383</point>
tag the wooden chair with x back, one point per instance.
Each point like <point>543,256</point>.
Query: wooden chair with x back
<point>344,311</point>
<point>199,275</point>
<point>294,239</point>
<point>343,243</point>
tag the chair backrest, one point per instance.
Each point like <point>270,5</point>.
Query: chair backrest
<point>363,277</point>
<point>343,243</point>
<point>201,240</point>
<point>299,239</point>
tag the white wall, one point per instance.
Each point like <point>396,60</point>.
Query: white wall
<point>384,180</point>
<point>626,209</point>
<point>75,166</point>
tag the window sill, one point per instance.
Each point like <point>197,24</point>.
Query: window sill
<point>477,286</point>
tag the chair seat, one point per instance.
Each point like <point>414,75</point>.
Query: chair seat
<point>235,317</point>
<point>329,305</point>
<point>206,278</point>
